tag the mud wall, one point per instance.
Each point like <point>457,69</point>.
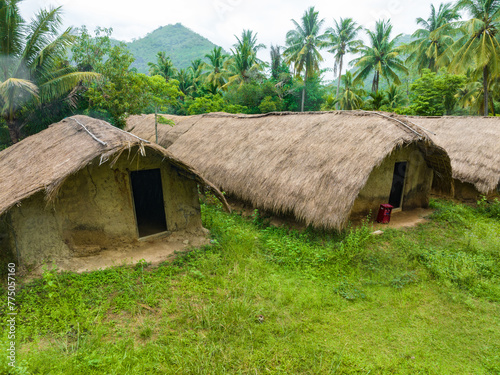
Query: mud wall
<point>94,210</point>
<point>467,192</point>
<point>7,245</point>
<point>416,190</point>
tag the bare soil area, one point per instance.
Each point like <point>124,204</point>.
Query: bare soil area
<point>154,250</point>
<point>406,219</point>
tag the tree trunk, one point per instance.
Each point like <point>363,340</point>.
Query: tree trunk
<point>338,84</point>
<point>304,92</point>
<point>13,132</point>
<point>303,98</point>
<point>485,89</point>
<point>375,82</point>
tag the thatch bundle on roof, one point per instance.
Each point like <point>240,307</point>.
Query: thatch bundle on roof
<point>473,144</point>
<point>312,165</point>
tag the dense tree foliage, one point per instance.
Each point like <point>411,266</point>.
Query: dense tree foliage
<point>479,46</point>
<point>122,91</point>
<point>449,65</point>
<point>34,75</point>
<point>435,95</point>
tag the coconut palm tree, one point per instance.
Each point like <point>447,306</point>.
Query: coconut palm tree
<point>341,39</point>
<point>196,70</point>
<point>479,45</point>
<point>163,67</point>
<point>303,45</point>
<point>377,100</point>
<point>216,74</point>
<point>350,98</point>
<point>244,64</point>
<point>394,96</point>
<point>433,38</point>
<point>381,57</point>
<point>330,103</point>
<point>186,82</point>
<point>471,95</point>
<point>250,39</point>
<point>32,72</point>
<point>275,61</point>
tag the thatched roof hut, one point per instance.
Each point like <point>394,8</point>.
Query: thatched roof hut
<point>473,144</point>
<point>105,187</point>
<point>311,165</point>
<point>43,162</point>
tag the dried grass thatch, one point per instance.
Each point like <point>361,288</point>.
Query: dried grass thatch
<point>473,144</point>
<point>144,126</point>
<point>312,165</point>
<point>44,161</point>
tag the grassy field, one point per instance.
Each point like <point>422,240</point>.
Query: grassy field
<point>265,300</point>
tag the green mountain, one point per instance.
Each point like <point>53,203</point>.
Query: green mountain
<point>180,43</point>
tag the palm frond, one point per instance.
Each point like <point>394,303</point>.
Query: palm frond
<point>61,85</point>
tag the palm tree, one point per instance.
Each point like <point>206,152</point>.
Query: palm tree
<point>350,98</point>
<point>377,100</point>
<point>216,68</point>
<point>186,82</point>
<point>433,38</point>
<point>394,96</point>
<point>330,103</point>
<point>342,40</point>
<point>196,72</point>
<point>244,63</point>
<point>479,46</point>
<point>249,38</point>
<point>381,57</point>
<point>303,47</point>
<point>31,68</point>
<point>275,62</point>
<point>471,95</point>
<point>163,67</point>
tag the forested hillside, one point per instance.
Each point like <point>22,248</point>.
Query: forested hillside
<point>179,42</point>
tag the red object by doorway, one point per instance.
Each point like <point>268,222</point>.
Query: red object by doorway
<point>384,213</point>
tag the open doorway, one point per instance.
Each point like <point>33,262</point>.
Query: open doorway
<point>398,184</point>
<point>148,201</point>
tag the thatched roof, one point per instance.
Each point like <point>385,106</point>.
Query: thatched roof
<point>473,144</point>
<point>43,161</point>
<point>144,127</point>
<point>312,165</point>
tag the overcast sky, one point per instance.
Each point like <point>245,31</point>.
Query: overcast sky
<point>220,20</point>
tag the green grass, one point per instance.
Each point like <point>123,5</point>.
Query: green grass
<point>419,301</point>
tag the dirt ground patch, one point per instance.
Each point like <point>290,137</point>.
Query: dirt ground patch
<point>153,250</point>
<point>405,219</point>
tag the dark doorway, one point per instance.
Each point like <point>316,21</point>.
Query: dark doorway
<point>398,184</point>
<point>148,200</point>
